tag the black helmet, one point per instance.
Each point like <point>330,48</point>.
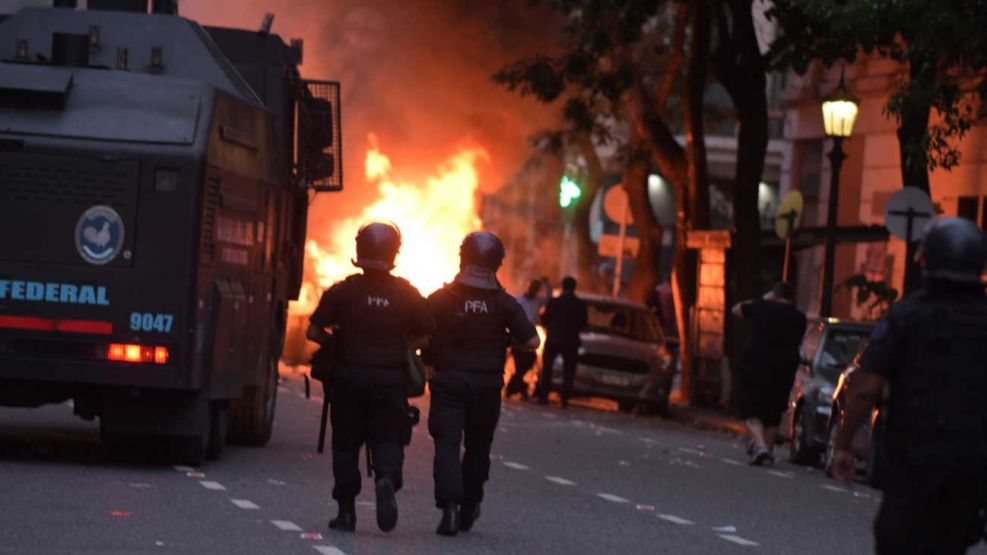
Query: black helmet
<point>953,250</point>
<point>377,245</point>
<point>480,255</point>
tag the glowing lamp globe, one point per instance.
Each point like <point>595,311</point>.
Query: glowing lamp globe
<point>839,113</point>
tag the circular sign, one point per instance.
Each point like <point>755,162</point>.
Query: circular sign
<point>615,205</point>
<point>789,214</point>
<point>99,235</point>
<point>907,213</point>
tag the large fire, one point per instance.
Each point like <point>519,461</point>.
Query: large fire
<point>434,214</point>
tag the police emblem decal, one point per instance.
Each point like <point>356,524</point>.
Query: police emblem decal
<point>99,235</point>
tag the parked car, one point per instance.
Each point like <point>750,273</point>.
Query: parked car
<point>828,347</point>
<point>868,443</point>
<point>623,356</point>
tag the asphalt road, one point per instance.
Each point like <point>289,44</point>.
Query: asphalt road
<point>579,481</point>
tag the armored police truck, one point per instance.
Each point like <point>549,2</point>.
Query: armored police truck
<point>155,177</point>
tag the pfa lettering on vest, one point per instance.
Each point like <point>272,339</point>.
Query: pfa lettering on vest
<point>378,302</point>
<point>476,307</point>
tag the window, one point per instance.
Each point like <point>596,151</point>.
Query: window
<point>624,321</point>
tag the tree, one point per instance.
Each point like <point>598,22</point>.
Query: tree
<point>942,46</point>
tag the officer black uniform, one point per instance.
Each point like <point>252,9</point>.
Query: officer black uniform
<point>932,351</point>
<point>374,317</point>
<point>475,322</point>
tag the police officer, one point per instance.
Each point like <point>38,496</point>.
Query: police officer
<point>373,318</point>
<point>475,321</point>
<point>931,350</point>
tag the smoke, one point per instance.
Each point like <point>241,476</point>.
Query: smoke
<point>416,74</point>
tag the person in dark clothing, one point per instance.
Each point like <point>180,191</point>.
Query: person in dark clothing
<point>564,317</point>
<point>767,367</point>
<point>930,350</point>
<point>372,319</point>
<point>476,320</point>
<point>531,301</point>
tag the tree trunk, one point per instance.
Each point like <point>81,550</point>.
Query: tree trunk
<point>645,274</point>
<point>913,138</point>
<point>740,67</point>
<point>695,131</point>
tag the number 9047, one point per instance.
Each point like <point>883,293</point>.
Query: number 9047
<point>146,321</point>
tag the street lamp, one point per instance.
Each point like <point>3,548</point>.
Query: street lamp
<point>839,112</point>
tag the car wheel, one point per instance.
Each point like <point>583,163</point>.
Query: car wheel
<point>799,451</point>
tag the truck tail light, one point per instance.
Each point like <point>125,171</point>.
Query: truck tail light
<point>132,352</point>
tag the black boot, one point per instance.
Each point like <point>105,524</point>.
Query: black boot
<point>387,506</point>
<point>345,520</point>
<point>450,520</point>
<point>467,516</point>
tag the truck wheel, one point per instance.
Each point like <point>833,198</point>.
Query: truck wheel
<point>251,417</point>
<point>218,427</point>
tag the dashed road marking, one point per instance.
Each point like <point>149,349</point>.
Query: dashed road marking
<point>549,415</point>
<point>195,474</point>
<point>311,536</point>
<point>184,468</point>
<point>691,451</point>
<point>676,520</point>
<point>328,550</point>
<point>287,525</point>
<point>781,474</point>
<point>515,466</point>
<point>645,507</point>
<point>725,529</point>
<point>837,489</point>
<point>274,482</point>
<point>738,540</point>
<point>624,463</point>
<point>612,497</point>
<point>216,486</point>
<point>732,462</point>
<point>244,504</point>
<point>560,481</point>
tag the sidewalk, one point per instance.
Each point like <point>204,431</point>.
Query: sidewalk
<point>705,418</point>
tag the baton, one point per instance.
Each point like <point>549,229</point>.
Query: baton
<point>322,424</point>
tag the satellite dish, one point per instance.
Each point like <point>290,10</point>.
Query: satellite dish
<point>907,213</point>
<point>789,216</point>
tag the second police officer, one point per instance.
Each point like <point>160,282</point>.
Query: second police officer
<point>931,350</point>
<point>373,318</point>
<point>475,321</point>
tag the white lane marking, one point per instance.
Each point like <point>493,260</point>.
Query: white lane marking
<point>274,482</point>
<point>195,474</point>
<point>216,486</point>
<point>780,474</point>
<point>837,489</point>
<point>732,462</point>
<point>328,550</point>
<point>311,536</point>
<point>287,525</point>
<point>624,463</point>
<point>515,466</point>
<point>738,540</point>
<point>608,430</point>
<point>612,497</point>
<point>560,481</point>
<point>184,468</point>
<point>725,529</point>
<point>676,520</point>
<point>549,415</point>
<point>691,451</point>
<point>647,439</point>
<point>244,504</point>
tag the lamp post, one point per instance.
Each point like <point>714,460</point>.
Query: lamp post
<point>839,113</point>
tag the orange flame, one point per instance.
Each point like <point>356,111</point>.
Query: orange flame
<point>434,215</point>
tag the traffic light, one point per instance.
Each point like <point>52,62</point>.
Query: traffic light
<point>569,192</point>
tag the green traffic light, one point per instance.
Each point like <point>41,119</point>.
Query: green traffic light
<point>569,192</point>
